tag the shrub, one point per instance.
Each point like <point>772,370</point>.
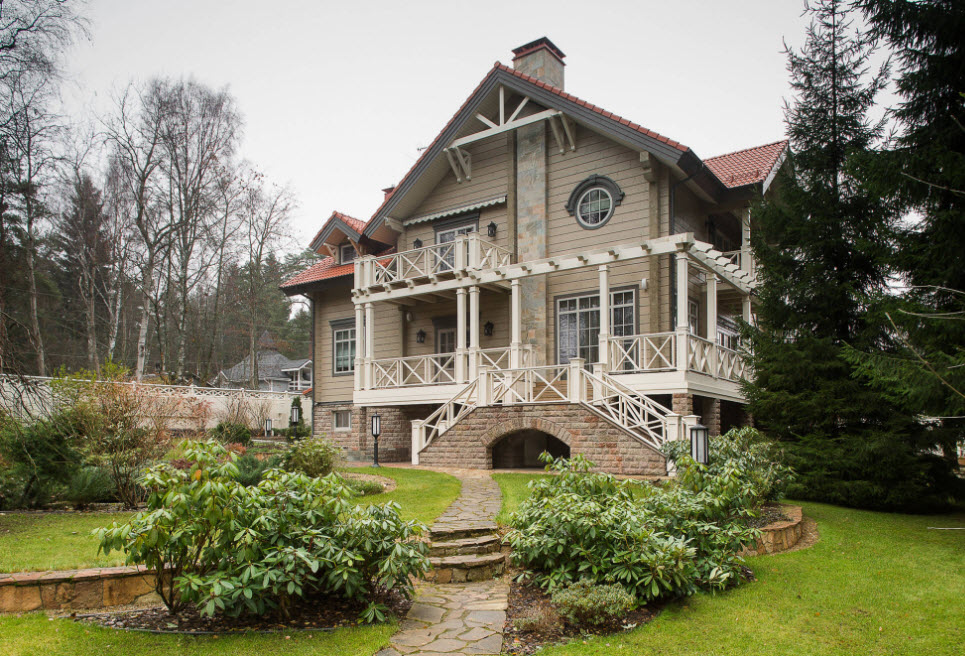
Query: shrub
<point>585,603</point>
<point>298,432</point>
<point>363,487</point>
<point>314,456</point>
<point>90,485</point>
<point>251,470</point>
<point>542,619</point>
<point>654,541</point>
<point>228,432</point>
<point>233,549</point>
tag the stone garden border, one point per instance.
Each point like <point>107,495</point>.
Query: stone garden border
<point>79,589</point>
<point>779,536</point>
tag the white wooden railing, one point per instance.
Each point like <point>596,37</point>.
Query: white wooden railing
<point>435,369</point>
<point>648,421</point>
<point>661,352</point>
<point>467,252</point>
<point>499,357</point>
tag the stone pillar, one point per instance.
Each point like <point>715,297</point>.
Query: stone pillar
<point>711,416</point>
<point>531,230</point>
<point>460,335</point>
<point>683,404</point>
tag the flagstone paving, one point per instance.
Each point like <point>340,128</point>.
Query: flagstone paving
<point>458,618</point>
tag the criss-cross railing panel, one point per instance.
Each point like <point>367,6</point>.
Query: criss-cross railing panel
<point>650,352</point>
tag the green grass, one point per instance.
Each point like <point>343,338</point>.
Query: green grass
<point>422,494</point>
<point>34,634</point>
<point>514,488</point>
<point>875,583</point>
<point>57,541</point>
<point>34,542</point>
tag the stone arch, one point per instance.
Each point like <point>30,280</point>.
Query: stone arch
<point>504,429</point>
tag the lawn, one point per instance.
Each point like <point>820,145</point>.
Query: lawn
<point>514,489</point>
<point>875,583</point>
<point>63,541</point>
<point>34,633</point>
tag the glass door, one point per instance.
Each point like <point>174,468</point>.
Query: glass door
<point>578,324</point>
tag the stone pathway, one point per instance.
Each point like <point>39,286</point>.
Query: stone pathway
<point>458,618</point>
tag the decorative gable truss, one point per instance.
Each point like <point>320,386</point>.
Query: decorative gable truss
<point>564,131</point>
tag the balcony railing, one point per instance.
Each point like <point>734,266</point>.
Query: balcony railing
<point>656,352</point>
<point>440,368</point>
<point>431,262</point>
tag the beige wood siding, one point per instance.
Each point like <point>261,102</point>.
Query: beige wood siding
<point>332,303</point>
<point>493,306</point>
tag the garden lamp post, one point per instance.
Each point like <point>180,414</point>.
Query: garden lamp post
<point>268,427</point>
<point>376,431</point>
<point>296,416</point>
<point>699,444</point>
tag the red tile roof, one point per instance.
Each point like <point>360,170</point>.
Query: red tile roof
<point>355,224</point>
<point>324,269</point>
<point>747,166</point>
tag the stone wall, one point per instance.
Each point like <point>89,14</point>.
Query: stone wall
<point>395,442</point>
<point>77,589</point>
<point>470,443</point>
<point>780,536</point>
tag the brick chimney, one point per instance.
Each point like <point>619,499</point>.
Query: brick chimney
<point>542,60</point>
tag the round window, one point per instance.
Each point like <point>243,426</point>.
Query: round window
<point>594,207</point>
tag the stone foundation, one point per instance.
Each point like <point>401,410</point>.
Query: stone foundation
<point>395,442</point>
<point>683,404</point>
<point>470,443</point>
<point>77,589</point>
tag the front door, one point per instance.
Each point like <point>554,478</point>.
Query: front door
<point>578,324</point>
<point>446,344</point>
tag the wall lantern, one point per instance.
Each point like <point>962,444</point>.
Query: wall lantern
<point>417,243</point>
<point>421,336</point>
<point>491,229</point>
<point>699,444</point>
<point>268,427</point>
<point>376,431</point>
<point>296,416</point>
<point>488,329</point>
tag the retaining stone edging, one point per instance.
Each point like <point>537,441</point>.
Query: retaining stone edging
<point>80,589</point>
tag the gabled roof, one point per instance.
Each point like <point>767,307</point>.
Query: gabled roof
<point>748,166</point>
<point>349,226</point>
<point>623,130</point>
<point>271,365</point>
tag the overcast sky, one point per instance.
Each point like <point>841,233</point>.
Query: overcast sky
<point>339,96</point>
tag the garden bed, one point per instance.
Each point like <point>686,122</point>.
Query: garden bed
<point>781,533</point>
<point>528,601</point>
<point>316,613</point>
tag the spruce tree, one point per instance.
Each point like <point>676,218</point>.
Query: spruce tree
<point>823,243</point>
<point>921,364</point>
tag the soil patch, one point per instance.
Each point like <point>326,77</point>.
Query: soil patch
<point>769,513</point>
<point>317,613</point>
<point>532,606</point>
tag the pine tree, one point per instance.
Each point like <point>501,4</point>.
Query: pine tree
<point>823,244</point>
<point>921,366</point>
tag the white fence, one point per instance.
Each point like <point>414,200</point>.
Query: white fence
<point>183,406</point>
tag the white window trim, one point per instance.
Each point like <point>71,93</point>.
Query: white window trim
<point>606,217</point>
<point>336,340</point>
<point>335,426</point>
<point>577,297</point>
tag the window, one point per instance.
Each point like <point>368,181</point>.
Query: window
<point>594,208</point>
<point>578,324</point>
<point>342,420</point>
<point>343,350</point>
<point>347,253</point>
<point>447,256</point>
<point>594,200</point>
<point>693,315</point>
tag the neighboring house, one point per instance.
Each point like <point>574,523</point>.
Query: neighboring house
<point>547,276</point>
<point>276,373</point>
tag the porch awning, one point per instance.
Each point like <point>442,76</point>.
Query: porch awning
<point>452,211</point>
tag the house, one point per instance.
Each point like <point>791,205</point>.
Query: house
<point>547,276</point>
<point>276,373</point>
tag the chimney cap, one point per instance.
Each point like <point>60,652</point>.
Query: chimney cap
<point>532,46</point>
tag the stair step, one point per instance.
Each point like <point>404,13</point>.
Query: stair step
<point>449,533</point>
<point>474,545</point>
<point>474,567</point>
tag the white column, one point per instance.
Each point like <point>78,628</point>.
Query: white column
<point>746,255</point>
<point>712,321</point>
<point>484,386</point>
<point>418,438</point>
<point>473,330</point>
<point>746,309</point>
<point>604,316</point>
<point>461,335</point>
<point>683,322</point>
<point>369,344</point>
<point>574,380</point>
<point>459,253</point>
<point>360,382</point>
<point>516,326</point>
